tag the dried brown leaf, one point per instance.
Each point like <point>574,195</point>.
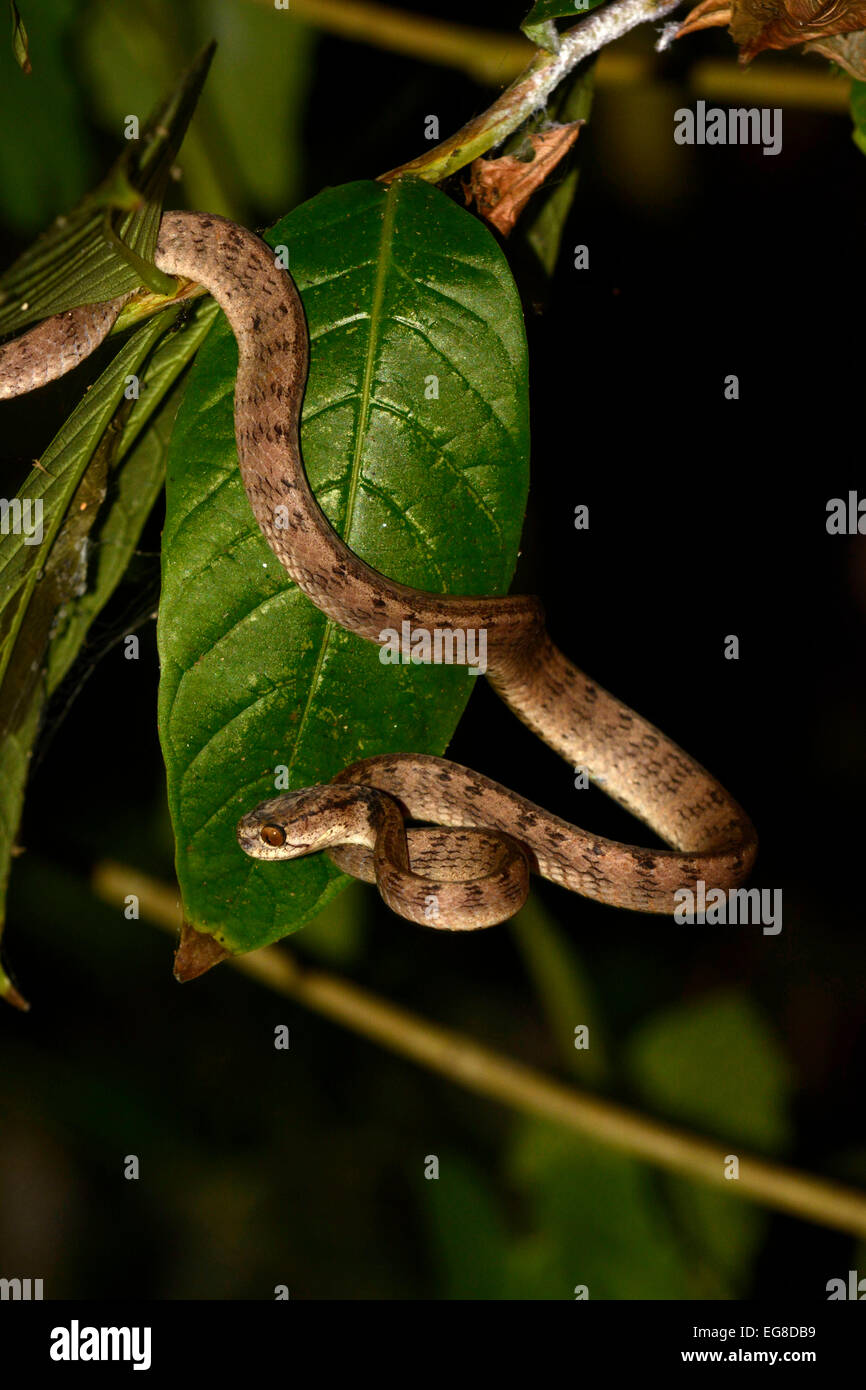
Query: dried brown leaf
<point>848,50</point>
<point>820,25</point>
<point>501,188</point>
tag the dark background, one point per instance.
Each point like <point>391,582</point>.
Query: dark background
<point>707,517</point>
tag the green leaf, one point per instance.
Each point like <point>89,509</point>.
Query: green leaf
<point>20,42</point>
<point>62,469</point>
<point>34,588</point>
<point>466,1231</point>
<point>399,286</point>
<point>254,98</point>
<point>139,469</point>
<point>595,1221</point>
<point>715,1065</point>
<point>104,247</point>
<point>858,114</point>
<point>15,750</point>
<point>538,26</point>
<point>48,604</point>
<point>544,34</point>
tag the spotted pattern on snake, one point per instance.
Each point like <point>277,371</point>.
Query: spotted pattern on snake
<point>710,836</point>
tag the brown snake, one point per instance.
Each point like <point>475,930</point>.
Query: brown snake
<point>476,873</point>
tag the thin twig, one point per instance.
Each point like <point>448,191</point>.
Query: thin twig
<point>532,88</point>
<point>499,1078</point>
<point>494,57</point>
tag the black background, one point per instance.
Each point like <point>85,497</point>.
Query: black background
<point>707,518</point>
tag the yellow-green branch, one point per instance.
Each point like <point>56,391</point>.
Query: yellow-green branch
<point>486,56</point>
<point>490,1074</point>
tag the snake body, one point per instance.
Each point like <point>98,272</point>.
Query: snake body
<point>476,872</point>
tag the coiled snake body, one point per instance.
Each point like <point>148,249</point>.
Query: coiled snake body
<point>475,873</point>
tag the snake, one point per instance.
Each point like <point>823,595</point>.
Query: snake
<point>466,861</point>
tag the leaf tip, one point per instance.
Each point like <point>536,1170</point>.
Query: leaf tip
<point>197,953</point>
<point>12,995</point>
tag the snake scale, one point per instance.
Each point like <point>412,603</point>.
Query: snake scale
<point>469,868</point>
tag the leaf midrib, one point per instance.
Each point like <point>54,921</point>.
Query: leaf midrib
<point>383,261</point>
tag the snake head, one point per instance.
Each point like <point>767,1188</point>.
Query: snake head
<point>299,822</point>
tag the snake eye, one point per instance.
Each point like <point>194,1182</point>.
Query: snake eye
<point>273,835</point>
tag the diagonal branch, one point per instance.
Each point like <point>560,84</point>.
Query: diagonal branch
<point>532,88</point>
<point>490,1074</point>
<point>492,56</point>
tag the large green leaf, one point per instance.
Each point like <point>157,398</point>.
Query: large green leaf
<point>400,286</point>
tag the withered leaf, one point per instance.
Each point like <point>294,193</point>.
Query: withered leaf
<point>20,42</point>
<point>848,50</point>
<point>755,25</point>
<point>501,188</point>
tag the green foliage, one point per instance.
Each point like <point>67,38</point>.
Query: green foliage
<point>468,1233</point>
<point>544,1210</point>
<point>399,286</point>
<point>723,1037</point>
<point>593,1217</point>
<point>244,154</point>
<point>138,479</point>
<point>107,449</point>
<point>539,24</point>
<point>102,473</point>
<point>714,1064</point>
<point>100,63</point>
<point>94,253</point>
<point>46,159</point>
<point>596,1221</point>
<point>29,608</point>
